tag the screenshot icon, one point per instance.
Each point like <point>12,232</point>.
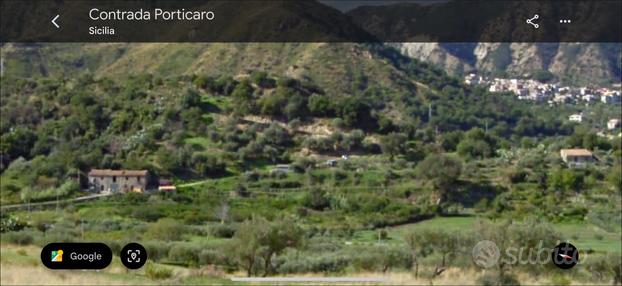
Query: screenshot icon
<point>133,256</point>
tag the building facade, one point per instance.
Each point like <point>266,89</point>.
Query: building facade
<point>577,157</point>
<point>117,181</point>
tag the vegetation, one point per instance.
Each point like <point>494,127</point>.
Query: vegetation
<point>375,168</point>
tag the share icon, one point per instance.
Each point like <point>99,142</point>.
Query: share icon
<point>530,21</point>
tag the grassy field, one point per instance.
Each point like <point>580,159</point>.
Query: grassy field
<point>20,266</point>
<point>583,235</point>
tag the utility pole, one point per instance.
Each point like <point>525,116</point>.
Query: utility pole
<point>430,112</point>
<point>56,200</point>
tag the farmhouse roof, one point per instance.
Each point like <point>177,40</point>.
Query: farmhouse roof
<point>110,173</point>
<point>576,152</point>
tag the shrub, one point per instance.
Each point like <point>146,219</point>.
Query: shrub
<point>165,229</point>
<point>157,249</point>
<point>251,176</point>
<point>222,230</point>
<point>105,225</point>
<point>560,280</point>
<point>316,199</point>
<point>241,190</point>
<point>55,236</point>
<point>157,272</point>
<point>493,279</point>
<point>17,237</point>
<point>517,176</point>
<point>326,263</point>
<point>10,223</point>
<point>213,257</point>
<point>383,234</point>
<point>147,214</point>
<point>116,246</point>
<point>135,198</point>
<point>381,259</point>
<point>184,253</point>
<point>301,164</point>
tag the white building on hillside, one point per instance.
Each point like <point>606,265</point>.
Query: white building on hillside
<point>576,117</point>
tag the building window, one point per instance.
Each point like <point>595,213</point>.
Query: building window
<point>114,179</point>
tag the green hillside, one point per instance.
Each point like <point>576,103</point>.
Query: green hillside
<point>325,64</point>
<point>374,143</point>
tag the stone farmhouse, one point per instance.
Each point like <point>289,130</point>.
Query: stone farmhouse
<point>117,181</point>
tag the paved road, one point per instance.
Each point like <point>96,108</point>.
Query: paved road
<point>46,203</point>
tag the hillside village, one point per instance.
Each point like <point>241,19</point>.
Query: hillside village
<point>556,94</point>
<point>551,93</point>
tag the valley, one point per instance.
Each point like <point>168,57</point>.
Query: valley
<point>317,159</point>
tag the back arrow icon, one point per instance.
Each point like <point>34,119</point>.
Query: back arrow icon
<point>54,21</point>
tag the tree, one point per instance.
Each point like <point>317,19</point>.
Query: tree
<point>261,79</point>
<point>319,105</point>
<point>543,76</point>
<point>442,170</point>
<point>17,143</point>
<point>169,162</point>
<point>191,98</point>
<point>355,112</point>
<point>565,180</point>
<point>273,104</point>
<point>416,244</point>
<point>276,136</point>
<point>296,107</point>
<point>474,148</point>
<point>353,140</point>
<point>247,242</point>
<point>615,177</point>
<point>450,140</point>
<point>242,96</point>
<point>476,144</point>
<point>281,235</point>
<point>424,242</point>
<point>257,238</point>
<point>393,144</point>
<point>316,199</point>
<point>207,165</point>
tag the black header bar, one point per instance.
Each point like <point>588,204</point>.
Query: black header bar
<point>310,21</point>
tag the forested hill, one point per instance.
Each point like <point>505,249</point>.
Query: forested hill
<point>196,111</point>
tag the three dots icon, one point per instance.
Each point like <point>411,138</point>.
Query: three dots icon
<point>565,21</point>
